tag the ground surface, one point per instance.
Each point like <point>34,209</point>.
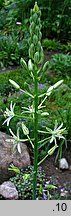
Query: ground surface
<point>62,179</point>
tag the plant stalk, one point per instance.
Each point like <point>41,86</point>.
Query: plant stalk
<point>35,131</point>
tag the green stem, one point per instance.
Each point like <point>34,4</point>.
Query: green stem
<point>35,131</point>
<point>42,102</point>
<point>24,116</point>
<point>27,93</point>
<point>43,160</point>
<point>30,141</point>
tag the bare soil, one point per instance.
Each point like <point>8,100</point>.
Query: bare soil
<point>61,178</point>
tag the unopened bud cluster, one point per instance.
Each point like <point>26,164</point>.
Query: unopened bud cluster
<point>35,48</point>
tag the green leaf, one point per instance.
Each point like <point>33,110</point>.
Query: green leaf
<point>50,186</point>
<point>26,176</point>
<point>14,168</point>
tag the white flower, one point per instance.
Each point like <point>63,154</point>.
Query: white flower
<point>18,23</point>
<point>56,133</point>
<point>15,140</point>
<point>9,114</point>
<point>29,110</point>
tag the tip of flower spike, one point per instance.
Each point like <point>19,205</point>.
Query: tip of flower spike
<point>36,8</point>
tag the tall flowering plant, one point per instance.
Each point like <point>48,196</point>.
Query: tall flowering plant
<point>35,70</point>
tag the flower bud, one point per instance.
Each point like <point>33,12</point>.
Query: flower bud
<point>29,41</point>
<point>15,85</point>
<point>41,55</point>
<point>30,19</point>
<point>35,50</point>
<point>31,51</point>
<point>23,63</point>
<point>37,31</point>
<point>36,8</point>
<point>38,21</point>
<point>36,57</point>
<point>30,31</point>
<point>32,26</point>
<point>45,67</point>
<point>39,13</point>
<point>35,39</point>
<point>38,48</point>
<point>35,17</point>
<point>25,129</point>
<point>32,12</point>
<point>51,151</point>
<point>30,65</point>
<point>44,114</point>
<point>57,84</point>
<point>40,36</point>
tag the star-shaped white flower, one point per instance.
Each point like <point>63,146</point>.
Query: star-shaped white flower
<point>9,114</point>
<point>15,139</point>
<point>56,133</point>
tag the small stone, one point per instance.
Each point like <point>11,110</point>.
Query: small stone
<point>8,191</point>
<point>56,168</point>
<point>64,194</point>
<point>70,167</point>
<point>8,156</point>
<point>63,164</point>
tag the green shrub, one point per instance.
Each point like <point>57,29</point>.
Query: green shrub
<point>18,75</point>
<point>66,48</point>
<point>51,44</point>
<point>12,49</point>
<point>61,64</point>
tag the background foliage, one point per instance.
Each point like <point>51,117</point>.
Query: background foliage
<point>14,22</point>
